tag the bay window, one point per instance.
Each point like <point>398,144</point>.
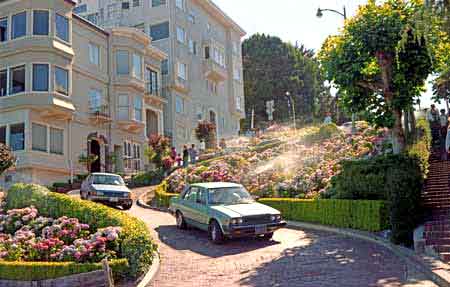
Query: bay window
<point>137,66</point>
<point>122,62</point>
<point>123,107</point>
<point>17,80</point>
<point>40,77</point>
<point>39,137</point>
<point>62,27</point>
<point>56,141</point>
<point>3,29</point>
<point>3,83</point>
<point>151,77</point>
<point>17,137</point>
<point>19,25</point>
<point>40,22</point>
<point>62,80</point>
<point>138,109</point>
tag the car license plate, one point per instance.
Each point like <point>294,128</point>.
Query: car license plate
<point>261,229</point>
<point>114,199</point>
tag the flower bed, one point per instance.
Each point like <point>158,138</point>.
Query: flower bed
<point>299,165</point>
<point>75,243</point>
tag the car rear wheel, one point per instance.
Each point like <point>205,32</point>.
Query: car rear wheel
<point>215,233</point>
<point>181,223</point>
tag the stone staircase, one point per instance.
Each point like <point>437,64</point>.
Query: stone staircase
<point>436,198</point>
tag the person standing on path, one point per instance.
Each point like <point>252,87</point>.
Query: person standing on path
<point>193,154</point>
<point>185,156</point>
<point>433,118</point>
<point>443,120</point>
<point>173,153</point>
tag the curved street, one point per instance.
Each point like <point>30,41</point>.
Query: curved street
<point>293,258</point>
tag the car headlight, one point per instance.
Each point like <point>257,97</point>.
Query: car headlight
<point>236,221</point>
<point>276,217</point>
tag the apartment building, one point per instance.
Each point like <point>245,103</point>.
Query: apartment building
<point>74,97</point>
<point>202,77</point>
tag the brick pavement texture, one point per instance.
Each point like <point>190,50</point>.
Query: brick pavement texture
<point>293,258</point>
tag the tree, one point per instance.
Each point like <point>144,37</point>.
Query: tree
<point>158,152</point>
<point>271,68</point>
<point>6,158</point>
<point>379,64</point>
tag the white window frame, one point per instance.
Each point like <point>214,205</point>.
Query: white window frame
<point>139,109</point>
<point>96,100</point>
<point>121,107</point>
<point>49,22</point>
<point>9,79</point>
<point>181,35</point>
<point>47,144</point>
<point>117,62</point>
<point>179,105</point>
<point>49,76</point>
<point>68,80</point>
<point>92,48</point>
<point>69,29</point>
<point>179,4</point>
<point>8,135</point>
<point>137,71</point>
<point>50,140</point>
<point>8,28</point>
<point>10,20</point>
<point>182,71</point>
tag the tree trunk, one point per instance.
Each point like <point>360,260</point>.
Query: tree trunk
<point>412,118</point>
<point>385,61</point>
<point>406,126</point>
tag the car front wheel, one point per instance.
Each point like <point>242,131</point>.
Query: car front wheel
<point>215,233</point>
<point>267,236</point>
<point>127,206</point>
<point>181,223</point>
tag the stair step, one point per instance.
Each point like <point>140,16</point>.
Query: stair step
<point>442,248</point>
<point>445,256</point>
<point>436,234</point>
<point>437,241</point>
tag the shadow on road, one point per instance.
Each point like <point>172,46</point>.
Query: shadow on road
<point>197,241</point>
<point>329,261</point>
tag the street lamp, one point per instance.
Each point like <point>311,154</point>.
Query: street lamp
<point>319,14</point>
<point>291,100</point>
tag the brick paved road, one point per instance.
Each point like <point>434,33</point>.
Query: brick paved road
<point>294,258</point>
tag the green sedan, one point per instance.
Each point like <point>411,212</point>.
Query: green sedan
<point>225,210</point>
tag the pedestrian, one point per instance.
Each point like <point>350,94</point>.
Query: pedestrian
<point>434,119</point>
<point>173,153</point>
<point>328,119</point>
<point>178,159</point>
<point>185,156</point>
<point>447,145</point>
<point>193,154</point>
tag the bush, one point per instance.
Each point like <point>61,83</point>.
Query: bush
<point>325,132</point>
<point>147,178</point>
<point>136,244</point>
<point>162,197</point>
<point>357,214</point>
<point>34,271</point>
<point>421,149</point>
<point>395,178</point>
<point>6,158</point>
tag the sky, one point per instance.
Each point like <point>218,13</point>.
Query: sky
<point>293,20</point>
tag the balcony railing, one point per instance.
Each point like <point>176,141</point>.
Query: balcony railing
<point>100,111</point>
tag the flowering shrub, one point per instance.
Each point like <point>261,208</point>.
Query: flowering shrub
<point>6,158</point>
<point>298,168</point>
<point>26,236</point>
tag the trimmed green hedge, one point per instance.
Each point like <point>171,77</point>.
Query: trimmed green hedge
<point>357,214</point>
<point>137,245</point>
<point>34,271</point>
<point>161,196</point>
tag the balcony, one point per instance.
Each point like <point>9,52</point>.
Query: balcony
<point>181,85</point>
<point>126,123</point>
<point>50,105</point>
<point>100,115</point>
<point>214,71</point>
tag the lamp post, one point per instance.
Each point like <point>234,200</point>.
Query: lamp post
<point>291,102</point>
<point>319,14</point>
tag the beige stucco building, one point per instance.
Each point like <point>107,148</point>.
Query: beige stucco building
<point>69,89</point>
<point>202,78</point>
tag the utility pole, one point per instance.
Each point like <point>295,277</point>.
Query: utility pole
<point>252,121</point>
<point>270,109</point>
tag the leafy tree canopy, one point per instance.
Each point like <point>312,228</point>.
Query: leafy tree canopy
<point>379,63</point>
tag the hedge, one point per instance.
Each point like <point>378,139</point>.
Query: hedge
<point>34,271</point>
<point>136,243</point>
<point>357,214</point>
<point>161,196</point>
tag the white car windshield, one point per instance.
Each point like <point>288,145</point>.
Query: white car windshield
<point>107,179</point>
<point>229,195</point>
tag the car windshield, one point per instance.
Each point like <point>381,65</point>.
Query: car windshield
<point>107,179</point>
<point>229,195</point>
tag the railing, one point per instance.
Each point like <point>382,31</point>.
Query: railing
<point>101,111</point>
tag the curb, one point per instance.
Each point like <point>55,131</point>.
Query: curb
<point>140,202</point>
<point>437,271</point>
<point>151,274</point>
